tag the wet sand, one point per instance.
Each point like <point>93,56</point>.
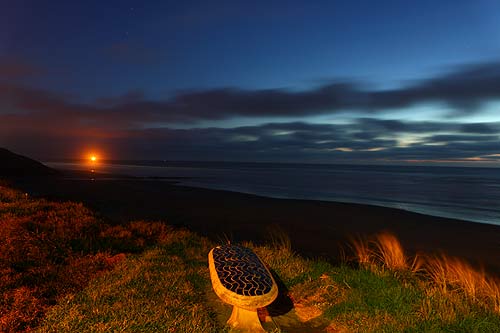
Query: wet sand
<point>316,228</point>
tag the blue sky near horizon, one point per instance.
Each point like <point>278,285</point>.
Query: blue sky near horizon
<point>385,81</point>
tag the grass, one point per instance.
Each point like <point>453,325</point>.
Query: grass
<point>65,270</point>
<point>156,291</point>
<point>384,290</point>
<point>447,274</point>
<point>47,249</point>
<point>55,255</point>
<point>384,250</point>
<point>432,294</point>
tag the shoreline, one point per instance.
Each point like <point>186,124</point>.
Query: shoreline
<point>315,228</point>
<point>449,210</point>
<point>433,192</point>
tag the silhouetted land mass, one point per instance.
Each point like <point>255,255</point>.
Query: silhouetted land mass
<point>14,165</point>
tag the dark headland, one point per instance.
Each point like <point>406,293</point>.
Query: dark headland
<point>316,228</point>
<point>14,165</point>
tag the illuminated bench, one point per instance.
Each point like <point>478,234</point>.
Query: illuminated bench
<point>241,279</point>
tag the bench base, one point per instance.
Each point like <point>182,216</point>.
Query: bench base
<point>245,321</point>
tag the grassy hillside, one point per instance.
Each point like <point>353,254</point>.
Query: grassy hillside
<point>63,269</point>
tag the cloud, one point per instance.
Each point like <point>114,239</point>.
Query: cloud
<point>448,138</point>
<point>398,126</point>
<point>38,120</point>
<point>309,142</point>
<point>479,128</point>
<point>284,142</point>
<point>466,88</point>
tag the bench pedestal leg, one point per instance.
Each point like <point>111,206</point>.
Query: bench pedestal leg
<point>243,320</point>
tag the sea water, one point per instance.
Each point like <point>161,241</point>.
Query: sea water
<point>465,193</point>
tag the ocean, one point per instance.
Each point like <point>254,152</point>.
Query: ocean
<point>465,193</point>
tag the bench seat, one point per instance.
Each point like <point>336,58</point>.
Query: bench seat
<point>241,279</point>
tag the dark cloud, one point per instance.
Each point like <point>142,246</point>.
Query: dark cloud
<point>41,121</point>
<point>464,90</point>
<point>467,87</point>
<point>380,126</point>
<point>480,128</point>
<point>267,142</point>
<point>309,142</point>
<point>284,142</point>
<point>463,138</point>
<point>399,126</point>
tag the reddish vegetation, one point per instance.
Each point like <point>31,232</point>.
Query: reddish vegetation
<point>49,249</point>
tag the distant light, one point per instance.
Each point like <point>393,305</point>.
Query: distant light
<point>93,158</point>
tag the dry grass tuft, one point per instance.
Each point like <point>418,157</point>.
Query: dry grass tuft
<point>279,239</point>
<point>384,250</point>
<point>361,249</point>
<point>446,273</point>
<point>390,252</point>
<point>451,274</point>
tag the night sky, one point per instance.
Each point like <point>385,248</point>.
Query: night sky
<point>391,82</point>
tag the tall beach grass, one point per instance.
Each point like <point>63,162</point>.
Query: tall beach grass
<point>448,274</point>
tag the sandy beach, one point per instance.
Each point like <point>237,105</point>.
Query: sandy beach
<point>316,228</point>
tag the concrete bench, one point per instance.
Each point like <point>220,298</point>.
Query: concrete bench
<point>242,280</point>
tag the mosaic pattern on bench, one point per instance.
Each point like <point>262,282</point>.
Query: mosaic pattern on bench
<point>241,271</point>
